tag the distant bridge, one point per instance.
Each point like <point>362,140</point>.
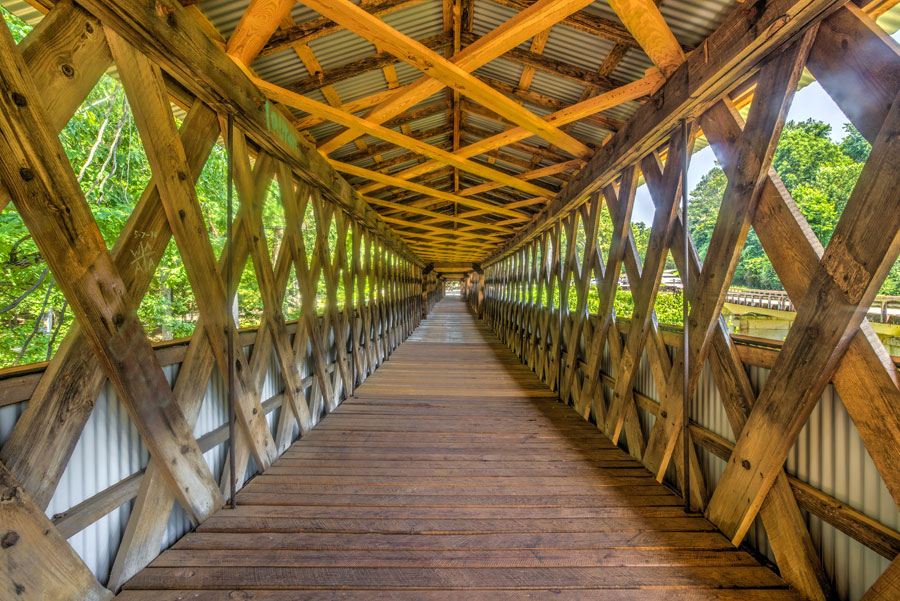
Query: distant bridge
<point>883,308</point>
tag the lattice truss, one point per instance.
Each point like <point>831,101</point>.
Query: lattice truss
<point>536,298</point>
<point>43,82</point>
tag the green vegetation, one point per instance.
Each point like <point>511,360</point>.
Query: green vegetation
<point>818,172</point>
<point>104,148</point>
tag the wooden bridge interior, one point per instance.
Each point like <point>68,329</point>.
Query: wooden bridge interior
<point>421,484</point>
<point>499,445</point>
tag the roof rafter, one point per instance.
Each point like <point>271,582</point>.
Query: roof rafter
<point>436,66</point>
<point>311,106</point>
<point>510,34</point>
<point>361,66</point>
<point>316,28</point>
<point>374,175</point>
<point>635,89</point>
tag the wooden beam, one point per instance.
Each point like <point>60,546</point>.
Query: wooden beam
<point>314,29</point>
<point>429,62</point>
<point>654,263</point>
<point>513,32</point>
<point>584,21</point>
<point>754,150</point>
<point>532,60</point>
<point>476,109</point>
<point>431,192</point>
<point>257,24</point>
<point>38,563</point>
<point>171,37</point>
<point>147,523</point>
<point>143,85</point>
<point>548,171</point>
<point>441,230</point>
<point>730,55</point>
<point>37,452</point>
<point>596,104</point>
<point>52,205</point>
<point>887,586</point>
<point>786,529</point>
<point>643,19</point>
<point>439,217</point>
<point>354,106</point>
<point>305,104</point>
<point>48,47</point>
<point>847,279</point>
<point>364,65</point>
<point>850,52</point>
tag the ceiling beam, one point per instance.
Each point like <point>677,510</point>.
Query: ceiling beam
<point>510,34</point>
<point>308,105</point>
<point>441,217</point>
<point>361,66</point>
<point>392,181</point>
<point>643,19</point>
<point>549,103</point>
<point>583,21</point>
<point>429,62</point>
<point>322,26</point>
<point>537,61</point>
<point>354,106</point>
<point>378,149</point>
<point>259,21</point>
<point>602,102</point>
<point>441,230</point>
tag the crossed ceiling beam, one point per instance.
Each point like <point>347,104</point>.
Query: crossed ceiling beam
<point>308,105</point>
<point>439,72</point>
<point>636,89</point>
<point>374,175</point>
<point>507,36</point>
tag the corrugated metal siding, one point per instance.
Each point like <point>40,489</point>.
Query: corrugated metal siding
<point>110,449</point>
<point>829,455</point>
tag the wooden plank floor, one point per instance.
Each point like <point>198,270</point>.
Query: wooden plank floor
<point>455,474</point>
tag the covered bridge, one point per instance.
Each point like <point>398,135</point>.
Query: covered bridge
<point>368,436</point>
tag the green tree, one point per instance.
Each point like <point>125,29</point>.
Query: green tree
<point>104,149</point>
<point>818,173</point>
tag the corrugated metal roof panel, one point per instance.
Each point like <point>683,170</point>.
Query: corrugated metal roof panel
<point>577,47</point>
<point>418,21</point>
<point>589,132</point>
<point>484,123</point>
<point>501,70</point>
<point>281,68</point>
<point>556,87</point>
<point>361,86</point>
<point>340,48</point>
<point>429,122</point>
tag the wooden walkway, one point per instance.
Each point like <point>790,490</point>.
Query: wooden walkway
<point>455,474</point>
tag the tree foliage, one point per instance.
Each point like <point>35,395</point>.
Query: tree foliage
<point>819,174</point>
<point>104,149</point>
